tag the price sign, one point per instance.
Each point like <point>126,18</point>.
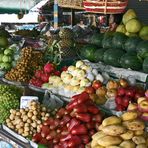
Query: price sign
<point>26,99</point>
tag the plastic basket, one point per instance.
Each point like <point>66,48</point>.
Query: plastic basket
<point>105,6</point>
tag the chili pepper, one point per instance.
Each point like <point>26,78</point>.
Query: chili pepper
<point>85,139</point>
<point>71,105</point>
<point>93,109</point>
<point>91,132</point>
<point>85,117</point>
<point>60,112</point>
<point>82,108</point>
<point>65,120</point>
<point>74,141</point>
<point>81,146</point>
<point>45,131</point>
<point>83,97</point>
<point>91,125</point>
<point>97,118</point>
<point>44,141</point>
<point>49,121</point>
<point>73,122</point>
<point>79,130</point>
<point>66,137</point>
<point>37,137</point>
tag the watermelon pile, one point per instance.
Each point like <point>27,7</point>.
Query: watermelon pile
<point>117,49</point>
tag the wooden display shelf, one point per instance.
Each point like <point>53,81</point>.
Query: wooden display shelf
<point>72,7</point>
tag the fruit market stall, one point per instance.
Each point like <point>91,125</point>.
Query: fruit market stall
<point>93,93</point>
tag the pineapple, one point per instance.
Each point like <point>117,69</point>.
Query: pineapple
<point>66,43</point>
<point>66,33</point>
<point>52,38</point>
<point>67,48</point>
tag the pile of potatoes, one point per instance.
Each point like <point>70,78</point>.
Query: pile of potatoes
<point>27,122</point>
<point>121,132</point>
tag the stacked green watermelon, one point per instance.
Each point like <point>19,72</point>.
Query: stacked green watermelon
<point>116,49</point>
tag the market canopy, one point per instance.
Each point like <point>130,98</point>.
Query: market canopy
<point>15,6</point>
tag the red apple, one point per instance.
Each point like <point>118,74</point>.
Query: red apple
<point>111,93</point>
<point>143,106</point>
<point>123,82</point>
<point>101,91</point>
<point>38,74</point>
<point>97,84</point>
<point>45,77</point>
<point>125,101</point>
<point>120,108</point>
<point>121,91</point>
<point>118,100</point>
<point>90,90</point>
<point>130,92</point>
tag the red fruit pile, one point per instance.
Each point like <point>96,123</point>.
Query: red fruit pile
<point>73,125</point>
<point>42,76</point>
<point>127,95</point>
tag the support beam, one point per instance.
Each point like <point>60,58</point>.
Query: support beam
<point>55,14</point>
<point>72,17</point>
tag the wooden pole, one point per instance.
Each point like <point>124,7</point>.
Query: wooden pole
<point>72,17</point>
<point>55,14</point>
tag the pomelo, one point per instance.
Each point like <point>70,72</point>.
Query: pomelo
<point>133,26</point>
<point>144,33</point>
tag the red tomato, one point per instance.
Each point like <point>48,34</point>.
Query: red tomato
<point>97,84</point>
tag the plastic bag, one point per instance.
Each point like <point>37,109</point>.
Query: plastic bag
<point>52,101</point>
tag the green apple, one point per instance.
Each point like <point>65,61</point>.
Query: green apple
<point>8,51</point>
<point>6,59</point>
<point>5,66</point>
<point>1,57</point>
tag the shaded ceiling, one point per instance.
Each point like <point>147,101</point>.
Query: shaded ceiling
<point>15,6</point>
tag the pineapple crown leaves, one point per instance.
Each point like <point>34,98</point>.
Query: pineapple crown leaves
<point>55,52</point>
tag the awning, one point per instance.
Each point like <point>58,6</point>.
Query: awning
<point>15,6</point>
<point>12,18</point>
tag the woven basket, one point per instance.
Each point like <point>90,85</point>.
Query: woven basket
<point>105,6</point>
<point>74,4</point>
